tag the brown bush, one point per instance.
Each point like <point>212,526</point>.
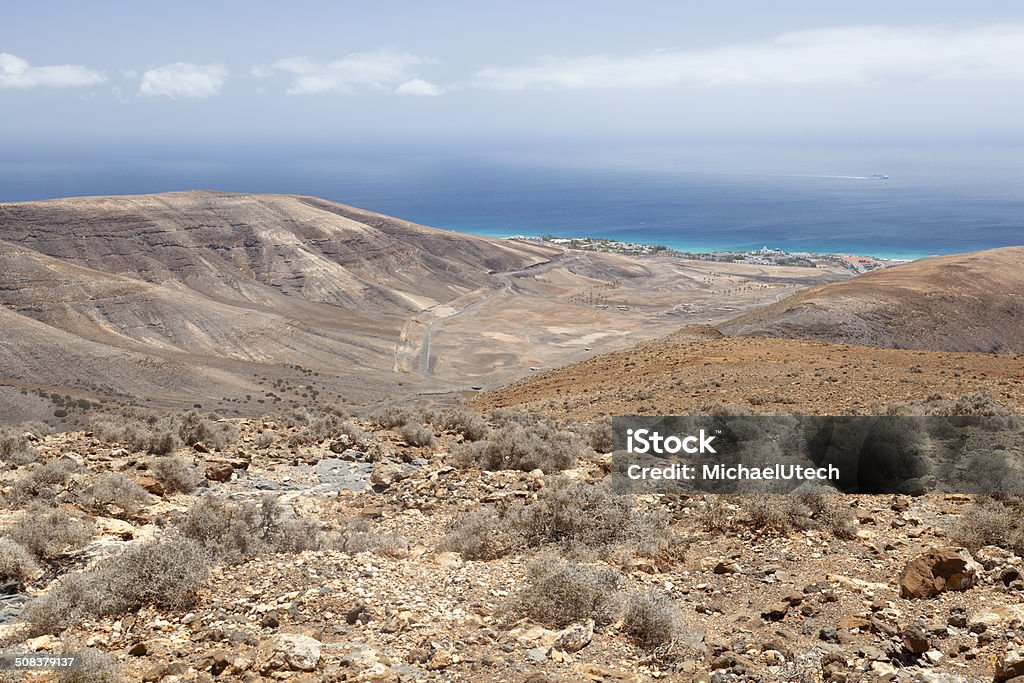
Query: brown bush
<point>44,482</point>
<point>389,418</point>
<point>175,474</point>
<point>650,618</point>
<point>16,563</point>
<point>48,533</point>
<point>417,435</point>
<point>93,666</point>
<point>17,449</point>
<point>557,594</point>
<point>515,447</point>
<point>991,521</point>
<point>787,513</point>
<point>570,514</point>
<point>233,532</point>
<point>116,491</point>
<point>166,574</point>
<point>463,421</point>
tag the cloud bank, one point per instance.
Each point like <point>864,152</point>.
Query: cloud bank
<point>856,55</point>
<point>184,80</point>
<point>380,70</point>
<point>15,72</point>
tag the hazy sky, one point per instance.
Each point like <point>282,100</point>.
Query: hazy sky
<point>482,72</point>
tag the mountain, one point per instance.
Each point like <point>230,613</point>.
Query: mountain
<point>207,297</point>
<point>964,302</point>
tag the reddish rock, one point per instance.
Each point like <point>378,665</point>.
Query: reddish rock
<point>937,571</point>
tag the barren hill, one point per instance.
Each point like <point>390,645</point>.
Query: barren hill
<point>245,303</point>
<point>965,302</point>
<point>692,373</point>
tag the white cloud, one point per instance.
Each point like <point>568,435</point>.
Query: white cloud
<point>420,87</point>
<point>15,72</point>
<point>855,55</point>
<point>183,79</point>
<point>380,70</point>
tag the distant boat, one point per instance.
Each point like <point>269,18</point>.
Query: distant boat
<point>878,176</point>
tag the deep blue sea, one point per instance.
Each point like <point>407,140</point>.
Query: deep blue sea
<point>825,206</point>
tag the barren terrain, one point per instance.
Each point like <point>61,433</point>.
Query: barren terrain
<point>242,303</point>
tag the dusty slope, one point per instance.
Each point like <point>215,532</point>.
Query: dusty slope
<point>212,297</point>
<point>683,373</point>
<point>964,302</point>
<point>239,302</point>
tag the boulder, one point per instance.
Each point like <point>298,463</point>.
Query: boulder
<point>1009,665</point>
<point>289,652</point>
<point>938,570</point>
<point>150,484</point>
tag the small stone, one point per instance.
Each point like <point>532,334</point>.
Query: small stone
<point>775,612</point>
<point>915,640</point>
<point>151,485</point>
<point>575,637</point>
<point>138,650</point>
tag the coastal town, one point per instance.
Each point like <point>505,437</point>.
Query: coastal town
<point>765,256</point>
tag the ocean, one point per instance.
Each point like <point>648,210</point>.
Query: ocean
<point>824,206</point>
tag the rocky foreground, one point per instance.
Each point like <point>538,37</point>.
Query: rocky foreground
<point>437,547</point>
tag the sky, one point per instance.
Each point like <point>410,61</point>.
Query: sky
<point>125,74</point>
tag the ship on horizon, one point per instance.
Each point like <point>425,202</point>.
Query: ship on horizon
<point>878,176</point>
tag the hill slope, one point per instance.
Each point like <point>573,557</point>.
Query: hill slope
<point>964,302</point>
<point>207,297</point>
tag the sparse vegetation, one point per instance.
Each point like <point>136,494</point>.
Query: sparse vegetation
<point>232,532</point>
<point>517,447</point>
<point>463,421</point>
<point>650,618</point>
<point>44,482</point>
<point>116,491</point>
<point>558,593</point>
<point>16,562</point>
<point>175,475</point>
<point>417,435</point>
<point>166,574</point>
<point>573,515</point>
<point>360,536</point>
<point>991,521</point>
<point>93,666</point>
<point>48,533</point>
<point>785,514</point>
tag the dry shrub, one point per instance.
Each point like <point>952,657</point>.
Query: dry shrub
<point>175,474</point>
<point>417,435</point>
<point>234,532</point>
<point>166,574</point>
<point>194,428</point>
<point>93,666</point>
<point>482,535</point>
<point>787,513</point>
<point>462,421</point>
<point>979,403</point>
<point>16,563</point>
<point>992,521</point>
<point>116,491</point>
<point>49,533</point>
<point>570,514</point>
<point>516,447</point>
<point>389,418</point>
<point>359,536</point>
<point>650,617</point>
<point>16,449</point>
<point>558,593</point>
<point>44,482</point>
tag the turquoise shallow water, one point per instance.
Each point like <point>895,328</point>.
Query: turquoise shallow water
<point>911,214</point>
